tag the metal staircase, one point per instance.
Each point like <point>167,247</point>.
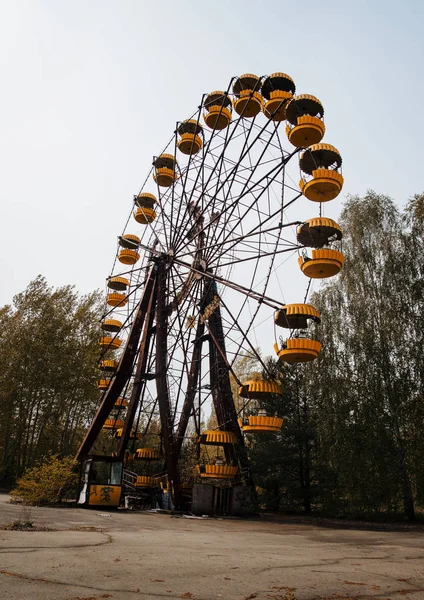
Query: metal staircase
<point>128,482</point>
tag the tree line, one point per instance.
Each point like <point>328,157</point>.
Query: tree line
<point>48,394</point>
<point>352,443</point>
<point>352,440</point>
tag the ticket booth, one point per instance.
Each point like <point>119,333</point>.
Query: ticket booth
<point>100,482</point>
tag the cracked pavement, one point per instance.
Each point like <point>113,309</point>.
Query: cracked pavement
<point>128,555</point>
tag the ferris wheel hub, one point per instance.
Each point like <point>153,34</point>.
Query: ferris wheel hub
<point>199,267</point>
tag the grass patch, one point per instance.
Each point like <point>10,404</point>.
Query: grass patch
<point>18,525</point>
<point>24,522</point>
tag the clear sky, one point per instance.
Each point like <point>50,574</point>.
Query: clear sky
<point>92,89</point>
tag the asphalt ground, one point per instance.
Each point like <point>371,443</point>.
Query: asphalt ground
<point>92,555</point>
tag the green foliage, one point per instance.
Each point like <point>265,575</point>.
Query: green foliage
<point>49,349</point>
<point>47,483</point>
<point>189,460</point>
<point>352,441</point>
<point>415,211</point>
<point>284,463</point>
<point>370,380</point>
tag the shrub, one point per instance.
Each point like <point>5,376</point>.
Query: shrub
<point>47,483</point>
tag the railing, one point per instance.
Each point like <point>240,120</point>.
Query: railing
<point>128,479</point>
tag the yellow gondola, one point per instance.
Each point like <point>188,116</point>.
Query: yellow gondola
<point>296,316</point>
<point>145,212</point>
<point>218,110</point>
<point>299,350</point>
<point>103,384</point>
<point>129,241</point>
<point>190,141</point>
<point>318,232</point>
<point>321,162</point>
<point>278,90</point>
<point>248,99</point>
<point>217,471</point>
<point>217,438</point>
<point>113,423</point>
<point>147,454</point>
<point>261,423</point>
<point>128,257</point>
<point>305,125</point>
<point>323,263</point>
<point>260,389</point>
<point>111,325</point>
<point>165,170</point>
<point>144,216</point>
<point>108,365</point>
<point>119,284</point>
<point>121,402</point>
<point>111,343</point>
<point>115,299</point>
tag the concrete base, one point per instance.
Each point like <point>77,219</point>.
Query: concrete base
<point>241,501</point>
<point>98,555</point>
<point>208,499</point>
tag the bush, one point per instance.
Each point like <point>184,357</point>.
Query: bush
<point>47,483</point>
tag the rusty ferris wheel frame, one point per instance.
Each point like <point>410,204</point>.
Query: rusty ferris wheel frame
<point>194,303</point>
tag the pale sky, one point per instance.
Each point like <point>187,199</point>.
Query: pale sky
<point>92,89</point>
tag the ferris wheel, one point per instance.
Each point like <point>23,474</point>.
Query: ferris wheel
<point>198,277</point>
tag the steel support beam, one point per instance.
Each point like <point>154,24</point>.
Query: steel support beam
<point>162,387</point>
<point>222,394</point>
<point>139,380</point>
<point>193,379</point>
<point>123,371</point>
